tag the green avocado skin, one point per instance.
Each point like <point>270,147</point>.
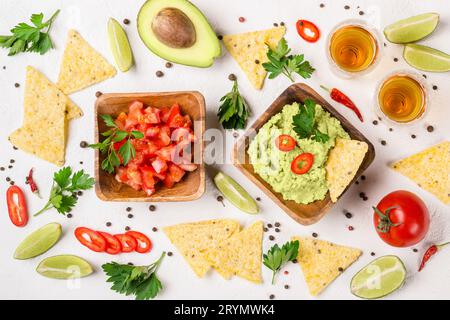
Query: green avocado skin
<point>274,166</point>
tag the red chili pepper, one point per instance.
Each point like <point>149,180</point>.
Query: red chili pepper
<point>431,251</point>
<point>308,30</point>
<point>29,180</point>
<point>17,206</point>
<point>340,97</point>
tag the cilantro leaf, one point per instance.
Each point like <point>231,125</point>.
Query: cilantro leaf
<point>62,177</point>
<point>304,123</point>
<point>276,257</point>
<point>109,121</point>
<point>234,111</point>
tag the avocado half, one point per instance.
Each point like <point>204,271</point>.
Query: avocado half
<point>177,31</point>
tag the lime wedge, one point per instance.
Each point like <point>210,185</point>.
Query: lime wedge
<point>235,193</point>
<point>412,29</point>
<point>120,46</point>
<point>38,242</point>
<point>426,58</point>
<point>64,267</point>
<point>379,278</point>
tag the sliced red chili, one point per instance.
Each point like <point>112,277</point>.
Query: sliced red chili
<point>144,244</point>
<point>17,206</point>
<point>308,30</point>
<point>302,163</point>
<point>128,243</point>
<point>113,245</point>
<point>285,142</point>
<point>90,239</point>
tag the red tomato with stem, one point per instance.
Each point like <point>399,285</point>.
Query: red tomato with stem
<point>144,244</point>
<point>90,239</point>
<point>113,245</point>
<point>401,219</point>
<point>17,206</point>
<point>128,243</point>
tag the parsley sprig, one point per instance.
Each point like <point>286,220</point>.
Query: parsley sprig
<point>30,38</point>
<point>281,62</point>
<point>234,111</point>
<point>65,186</point>
<point>140,281</point>
<point>106,147</point>
<point>305,125</point>
<point>276,257</point>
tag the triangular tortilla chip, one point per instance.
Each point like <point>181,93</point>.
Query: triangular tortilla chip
<point>239,255</point>
<point>430,169</point>
<point>250,51</point>
<point>82,66</point>
<point>190,238</point>
<point>323,261</point>
<point>343,163</point>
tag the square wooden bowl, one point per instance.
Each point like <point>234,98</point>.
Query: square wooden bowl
<point>192,186</point>
<point>309,213</point>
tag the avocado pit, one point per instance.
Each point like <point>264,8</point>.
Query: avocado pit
<point>174,28</point>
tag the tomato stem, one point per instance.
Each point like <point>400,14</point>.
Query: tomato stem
<point>385,221</point>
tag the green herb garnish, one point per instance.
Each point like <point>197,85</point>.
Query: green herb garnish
<point>276,257</point>
<point>234,111</point>
<point>65,186</point>
<point>281,62</point>
<point>140,281</point>
<point>106,147</point>
<point>30,38</point>
<point>305,125</point>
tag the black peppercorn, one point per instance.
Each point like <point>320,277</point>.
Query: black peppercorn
<point>169,65</point>
<point>232,77</point>
<point>159,73</point>
<point>126,21</point>
<point>98,94</point>
<point>430,128</point>
<point>152,208</point>
<point>170,253</point>
<point>83,144</point>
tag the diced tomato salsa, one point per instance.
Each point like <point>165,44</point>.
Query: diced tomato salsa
<point>163,154</point>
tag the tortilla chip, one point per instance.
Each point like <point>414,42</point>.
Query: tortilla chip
<point>430,169</point>
<point>239,255</point>
<point>190,238</point>
<point>323,261</point>
<point>250,51</point>
<point>82,66</point>
<point>343,163</point>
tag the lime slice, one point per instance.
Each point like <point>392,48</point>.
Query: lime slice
<point>426,58</point>
<point>379,278</point>
<point>120,46</point>
<point>38,242</point>
<point>235,193</point>
<point>64,267</point>
<point>412,29</point>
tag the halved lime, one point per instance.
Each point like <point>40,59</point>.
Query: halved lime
<point>64,267</point>
<point>235,193</point>
<point>379,278</point>
<point>120,46</point>
<point>412,29</point>
<point>426,58</point>
<point>38,242</point>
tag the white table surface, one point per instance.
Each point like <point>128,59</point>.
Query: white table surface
<point>89,17</point>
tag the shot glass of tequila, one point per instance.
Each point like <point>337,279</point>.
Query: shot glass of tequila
<point>353,48</point>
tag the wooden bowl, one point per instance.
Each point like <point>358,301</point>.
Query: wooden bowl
<point>309,213</point>
<point>192,186</point>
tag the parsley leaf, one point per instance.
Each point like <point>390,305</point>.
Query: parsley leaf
<point>280,62</point>
<point>276,257</point>
<point>304,123</point>
<point>30,38</point>
<point>234,111</point>
<point>65,185</point>
<point>140,281</point>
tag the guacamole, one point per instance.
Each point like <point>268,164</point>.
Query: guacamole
<point>274,166</point>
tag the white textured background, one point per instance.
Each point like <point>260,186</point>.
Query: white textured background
<point>19,280</point>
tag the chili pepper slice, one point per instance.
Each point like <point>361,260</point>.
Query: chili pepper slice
<point>431,251</point>
<point>285,142</point>
<point>90,239</point>
<point>128,243</point>
<point>340,97</point>
<point>144,244</point>
<point>29,180</point>
<point>113,245</point>
<point>308,30</point>
<point>302,163</point>
<point>17,206</point>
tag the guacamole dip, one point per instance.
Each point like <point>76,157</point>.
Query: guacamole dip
<point>274,166</point>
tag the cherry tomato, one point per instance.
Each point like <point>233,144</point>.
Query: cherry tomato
<point>308,30</point>
<point>401,219</point>
<point>144,244</point>
<point>90,239</point>
<point>285,142</point>
<point>17,206</point>
<point>128,242</point>
<point>113,245</point>
<point>302,163</point>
